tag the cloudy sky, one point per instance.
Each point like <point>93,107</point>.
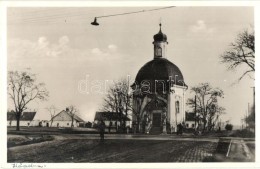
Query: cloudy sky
<point>64,50</point>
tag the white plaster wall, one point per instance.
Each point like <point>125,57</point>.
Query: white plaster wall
<point>178,95</point>
<point>190,124</point>
<point>24,123</point>
<point>35,123</point>
<point>64,124</point>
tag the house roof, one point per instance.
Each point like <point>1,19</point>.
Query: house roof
<point>110,116</point>
<point>26,116</point>
<point>11,115</point>
<point>77,118</point>
<point>65,116</point>
<point>190,116</point>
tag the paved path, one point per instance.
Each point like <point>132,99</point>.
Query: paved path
<point>239,151</point>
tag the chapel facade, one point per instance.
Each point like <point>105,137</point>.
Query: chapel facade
<point>159,93</point>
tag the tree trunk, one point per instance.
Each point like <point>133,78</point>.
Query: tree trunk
<point>210,124</point>
<point>18,115</point>
<point>204,125</point>
<point>72,120</point>
<point>17,124</point>
<point>138,125</point>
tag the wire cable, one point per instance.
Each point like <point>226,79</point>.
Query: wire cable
<point>63,16</point>
<point>127,13</point>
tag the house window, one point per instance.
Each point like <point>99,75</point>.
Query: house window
<point>187,125</point>
<point>177,105</point>
<point>68,124</point>
<point>193,125</point>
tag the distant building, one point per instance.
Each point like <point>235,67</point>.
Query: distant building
<point>112,117</point>
<point>44,123</point>
<point>27,119</point>
<point>88,124</point>
<point>190,120</point>
<point>63,119</point>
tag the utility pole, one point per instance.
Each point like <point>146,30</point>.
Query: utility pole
<point>248,109</point>
<point>248,113</point>
<point>253,108</point>
<point>195,112</point>
<point>242,122</point>
<point>246,120</point>
<point>253,96</point>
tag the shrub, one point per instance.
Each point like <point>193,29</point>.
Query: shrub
<point>229,127</point>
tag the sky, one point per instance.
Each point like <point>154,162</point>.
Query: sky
<point>65,51</point>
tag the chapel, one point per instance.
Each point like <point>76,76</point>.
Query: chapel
<point>158,92</point>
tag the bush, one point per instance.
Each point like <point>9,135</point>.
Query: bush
<point>229,127</point>
<point>95,126</point>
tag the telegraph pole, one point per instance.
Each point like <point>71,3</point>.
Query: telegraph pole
<point>248,109</point>
<point>248,113</point>
<point>246,119</point>
<point>253,96</point>
<point>253,108</point>
<point>195,112</point>
<point>242,122</point>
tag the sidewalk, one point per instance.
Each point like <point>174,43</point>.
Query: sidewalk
<point>239,151</point>
<point>234,150</point>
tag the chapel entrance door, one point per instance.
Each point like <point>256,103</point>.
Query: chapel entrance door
<point>157,119</point>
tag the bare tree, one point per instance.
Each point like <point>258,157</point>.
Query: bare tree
<point>207,104</point>
<point>241,52</point>
<point>53,112</point>
<point>118,99</point>
<point>72,110</point>
<point>23,89</point>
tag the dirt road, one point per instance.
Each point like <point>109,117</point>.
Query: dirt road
<point>91,150</point>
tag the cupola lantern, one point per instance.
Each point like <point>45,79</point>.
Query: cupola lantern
<point>160,42</point>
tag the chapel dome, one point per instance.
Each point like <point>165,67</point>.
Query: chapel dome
<point>160,69</point>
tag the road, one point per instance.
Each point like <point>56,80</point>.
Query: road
<point>118,148</point>
<point>80,148</point>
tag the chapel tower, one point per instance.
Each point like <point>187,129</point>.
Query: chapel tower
<point>160,44</point>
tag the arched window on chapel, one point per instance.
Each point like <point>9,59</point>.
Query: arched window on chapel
<point>158,51</point>
<point>177,106</point>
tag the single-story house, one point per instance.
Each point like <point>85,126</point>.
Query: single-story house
<point>190,120</point>
<point>63,119</point>
<point>26,119</point>
<point>112,117</point>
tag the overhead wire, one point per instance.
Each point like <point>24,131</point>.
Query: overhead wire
<point>48,17</point>
<point>127,13</point>
<point>45,18</point>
